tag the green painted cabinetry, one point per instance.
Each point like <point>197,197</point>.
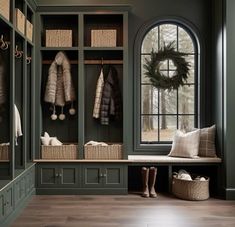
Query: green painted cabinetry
<point>6,202</point>
<point>81,178</point>
<point>15,194</point>
<point>104,176</point>
<point>55,175</point>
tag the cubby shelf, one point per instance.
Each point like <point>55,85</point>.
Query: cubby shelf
<point>103,48</point>
<point>59,48</point>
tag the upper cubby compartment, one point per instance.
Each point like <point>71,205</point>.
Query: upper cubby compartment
<point>59,31</point>
<point>29,25</point>
<point>103,30</point>
<point>20,17</point>
<point>5,12</point>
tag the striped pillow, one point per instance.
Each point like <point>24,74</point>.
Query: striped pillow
<point>185,144</point>
<point>207,142</point>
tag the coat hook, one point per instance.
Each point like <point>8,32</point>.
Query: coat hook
<point>102,61</point>
<point>28,60</point>
<point>18,53</point>
<point>4,44</point>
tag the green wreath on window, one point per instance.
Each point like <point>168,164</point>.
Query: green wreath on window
<point>153,72</point>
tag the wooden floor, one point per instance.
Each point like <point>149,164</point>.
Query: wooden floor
<point>125,211</point>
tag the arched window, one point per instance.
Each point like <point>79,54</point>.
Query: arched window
<point>162,112</point>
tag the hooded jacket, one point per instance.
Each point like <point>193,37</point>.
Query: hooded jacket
<point>111,104</point>
<point>59,87</point>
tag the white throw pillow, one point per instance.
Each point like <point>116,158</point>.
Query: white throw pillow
<point>185,144</point>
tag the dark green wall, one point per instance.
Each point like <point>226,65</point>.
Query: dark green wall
<point>214,21</point>
<point>229,107</point>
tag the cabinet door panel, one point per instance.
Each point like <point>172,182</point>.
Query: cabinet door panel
<point>68,176</point>
<point>17,193</point>
<point>92,176</point>
<point>114,176</point>
<point>2,202</point>
<point>47,176</point>
<point>9,200</point>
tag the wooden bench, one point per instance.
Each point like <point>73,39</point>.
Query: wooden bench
<point>164,160</point>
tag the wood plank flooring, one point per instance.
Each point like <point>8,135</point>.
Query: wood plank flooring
<point>125,211</point>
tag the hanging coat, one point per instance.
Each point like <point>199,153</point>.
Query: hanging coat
<point>18,128</point>
<point>2,83</point>
<point>59,88</point>
<point>98,95</point>
<point>111,104</point>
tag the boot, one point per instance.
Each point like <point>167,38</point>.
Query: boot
<point>152,180</point>
<point>145,178</point>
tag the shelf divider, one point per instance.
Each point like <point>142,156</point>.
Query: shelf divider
<point>89,62</point>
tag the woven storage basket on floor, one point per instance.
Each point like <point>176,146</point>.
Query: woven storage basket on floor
<point>5,8</point>
<point>65,151</point>
<point>4,152</point>
<point>110,152</point>
<point>191,189</point>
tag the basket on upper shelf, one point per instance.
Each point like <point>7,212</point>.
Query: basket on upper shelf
<point>112,151</point>
<point>29,30</point>
<point>5,9</point>
<point>63,152</point>
<point>191,189</point>
<point>20,21</point>
<point>58,38</point>
<point>4,152</point>
<point>104,38</point>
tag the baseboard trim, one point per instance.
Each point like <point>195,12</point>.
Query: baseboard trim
<point>81,191</point>
<point>10,219</point>
<point>230,193</point>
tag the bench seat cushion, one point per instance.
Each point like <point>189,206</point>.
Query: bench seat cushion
<point>167,159</point>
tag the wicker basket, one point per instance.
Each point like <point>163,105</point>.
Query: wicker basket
<point>65,151</point>
<point>4,152</point>
<point>103,38</point>
<point>58,38</point>
<point>20,21</point>
<point>110,152</point>
<point>5,9</point>
<point>191,189</point>
<point>29,30</point>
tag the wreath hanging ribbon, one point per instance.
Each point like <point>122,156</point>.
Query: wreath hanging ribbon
<point>156,77</point>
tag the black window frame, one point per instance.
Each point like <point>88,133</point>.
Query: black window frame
<point>162,147</point>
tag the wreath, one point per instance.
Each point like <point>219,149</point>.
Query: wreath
<point>153,71</point>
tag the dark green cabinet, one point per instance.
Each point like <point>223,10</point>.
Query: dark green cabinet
<point>104,176</point>
<point>19,190</point>
<point>54,176</point>
<point>6,202</point>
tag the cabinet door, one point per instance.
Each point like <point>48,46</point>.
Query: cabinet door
<point>17,192</point>
<point>68,176</point>
<point>114,175</point>
<point>8,200</point>
<point>32,179</point>
<point>2,202</point>
<point>92,176</point>
<point>47,176</point>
